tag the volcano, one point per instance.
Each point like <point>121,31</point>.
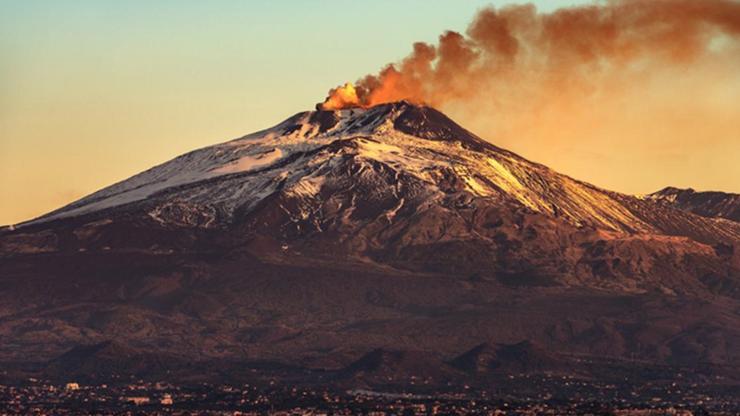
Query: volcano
<point>337,234</point>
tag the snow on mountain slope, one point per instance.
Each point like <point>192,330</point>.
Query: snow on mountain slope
<point>313,150</point>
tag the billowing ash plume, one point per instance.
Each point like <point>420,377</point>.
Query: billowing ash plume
<point>568,48</point>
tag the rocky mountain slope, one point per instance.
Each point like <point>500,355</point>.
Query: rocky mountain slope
<point>386,232</point>
<point>706,204</point>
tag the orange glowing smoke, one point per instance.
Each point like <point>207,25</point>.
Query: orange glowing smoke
<point>341,97</point>
<point>519,44</point>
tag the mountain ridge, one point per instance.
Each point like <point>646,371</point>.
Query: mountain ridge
<point>712,204</point>
<point>561,195</point>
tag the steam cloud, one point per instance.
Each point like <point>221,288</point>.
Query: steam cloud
<point>561,48</point>
<point>650,82</point>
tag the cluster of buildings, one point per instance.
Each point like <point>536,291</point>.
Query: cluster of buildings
<point>159,398</point>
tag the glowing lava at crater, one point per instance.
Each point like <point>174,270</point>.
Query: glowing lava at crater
<point>344,96</point>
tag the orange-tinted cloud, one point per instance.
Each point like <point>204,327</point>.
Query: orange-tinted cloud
<point>564,46</point>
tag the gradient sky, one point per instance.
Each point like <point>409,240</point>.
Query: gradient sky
<point>94,91</point>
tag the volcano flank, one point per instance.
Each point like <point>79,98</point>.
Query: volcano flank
<point>363,245</point>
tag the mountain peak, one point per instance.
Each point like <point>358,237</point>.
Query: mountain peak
<point>711,204</point>
<point>404,116</point>
<point>402,157</point>
<point>376,132</point>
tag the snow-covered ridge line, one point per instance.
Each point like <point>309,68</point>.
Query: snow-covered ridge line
<point>425,153</point>
<point>300,133</point>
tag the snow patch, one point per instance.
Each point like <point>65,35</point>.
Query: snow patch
<point>307,187</point>
<point>510,182</point>
<point>375,150</point>
<point>251,162</point>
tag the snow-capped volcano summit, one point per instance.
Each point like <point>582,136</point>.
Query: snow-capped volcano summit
<point>290,153</point>
<point>407,157</point>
